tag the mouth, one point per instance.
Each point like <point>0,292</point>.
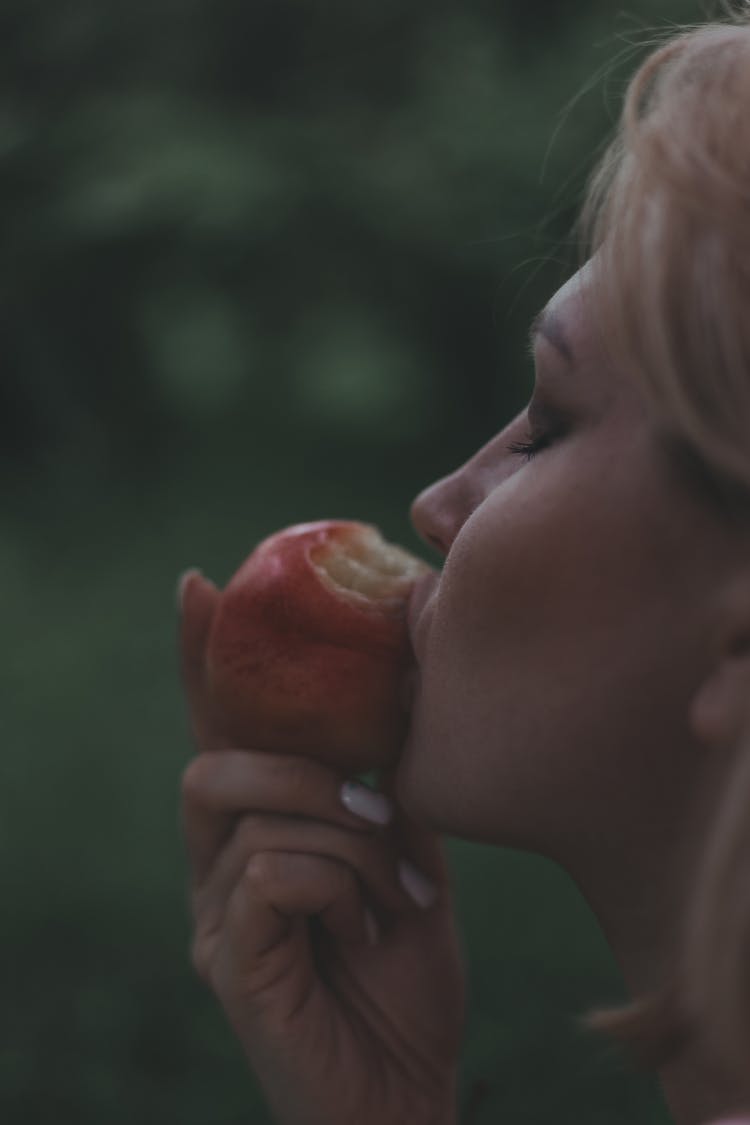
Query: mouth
<point>422,593</point>
<point>417,620</point>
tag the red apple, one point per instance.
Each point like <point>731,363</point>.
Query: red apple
<point>308,646</point>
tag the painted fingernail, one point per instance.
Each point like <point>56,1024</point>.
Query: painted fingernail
<point>181,584</point>
<point>364,802</point>
<point>372,928</point>
<point>421,889</point>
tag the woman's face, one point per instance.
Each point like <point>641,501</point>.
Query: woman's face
<point>559,650</point>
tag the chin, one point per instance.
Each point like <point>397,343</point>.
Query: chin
<point>426,794</point>
<point>412,788</point>
<point>436,788</point>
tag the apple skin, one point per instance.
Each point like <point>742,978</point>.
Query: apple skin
<point>297,664</point>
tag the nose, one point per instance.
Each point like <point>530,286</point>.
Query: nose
<point>439,511</point>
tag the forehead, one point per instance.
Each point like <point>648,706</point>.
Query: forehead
<point>569,300</point>
<point>575,307</point>
<point>597,373</point>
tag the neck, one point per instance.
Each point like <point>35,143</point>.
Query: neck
<point>640,913</point>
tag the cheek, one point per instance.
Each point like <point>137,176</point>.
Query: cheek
<point>551,651</point>
<point>510,601</point>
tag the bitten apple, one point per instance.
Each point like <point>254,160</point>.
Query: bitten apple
<point>308,647</point>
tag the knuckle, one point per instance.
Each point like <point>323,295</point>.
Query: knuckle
<point>262,870</point>
<point>299,779</point>
<point>196,779</point>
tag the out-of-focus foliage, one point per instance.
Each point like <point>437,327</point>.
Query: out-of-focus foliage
<point>280,213</point>
<point>260,261</point>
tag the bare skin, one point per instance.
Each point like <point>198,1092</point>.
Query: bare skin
<point>588,616</point>
<point>578,660</point>
<point>336,1029</point>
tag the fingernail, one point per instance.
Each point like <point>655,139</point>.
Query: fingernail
<point>418,886</point>
<point>364,802</point>
<point>372,928</point>
<point>182,582</point>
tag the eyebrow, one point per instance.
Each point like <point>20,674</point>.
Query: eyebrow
<point>547,323</point>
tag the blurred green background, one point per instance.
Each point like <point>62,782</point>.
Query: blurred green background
<point>261,262</point>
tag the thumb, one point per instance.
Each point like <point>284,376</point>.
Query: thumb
<point>197,600</point>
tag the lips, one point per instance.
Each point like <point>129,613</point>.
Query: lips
<point>421,595</point>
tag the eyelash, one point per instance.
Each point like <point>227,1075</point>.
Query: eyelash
<point>531,446</point>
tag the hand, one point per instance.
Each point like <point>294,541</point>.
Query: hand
<point>283,877</point>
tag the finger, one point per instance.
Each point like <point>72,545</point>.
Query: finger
<point>263,966</point>
<point>219,786</point>
<point>198,598</point>
<point>276,890</point>
<point>372,861</point>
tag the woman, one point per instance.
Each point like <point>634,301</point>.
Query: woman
<point>584,676</point>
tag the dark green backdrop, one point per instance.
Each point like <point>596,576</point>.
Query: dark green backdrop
<point>261,262</point>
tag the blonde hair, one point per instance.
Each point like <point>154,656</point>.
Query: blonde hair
<point>666,224</point>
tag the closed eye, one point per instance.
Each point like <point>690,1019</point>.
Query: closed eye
<point>529,448</point>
